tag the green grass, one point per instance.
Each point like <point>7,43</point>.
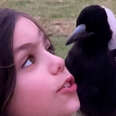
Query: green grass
<point>48,11</point>
<point>59,44</point>
<point>52,9</point>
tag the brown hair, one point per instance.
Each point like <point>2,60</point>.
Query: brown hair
<point>8,19</point>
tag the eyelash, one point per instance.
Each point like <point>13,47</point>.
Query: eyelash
<point>49,48</point>
<point>29,58</point>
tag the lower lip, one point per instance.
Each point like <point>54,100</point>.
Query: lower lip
<point>71,89</point>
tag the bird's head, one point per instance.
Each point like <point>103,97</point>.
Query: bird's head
<point>95,27</point>
<point>94,38</point>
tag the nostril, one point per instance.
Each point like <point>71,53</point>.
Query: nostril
<point>61,68</point>
<point>57,65</point>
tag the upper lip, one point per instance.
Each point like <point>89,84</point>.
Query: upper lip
<point>69,79</point>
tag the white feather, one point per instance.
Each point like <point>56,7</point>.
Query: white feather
<point>112,23</point>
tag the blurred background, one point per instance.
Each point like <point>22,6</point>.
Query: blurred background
<point>56,16</point>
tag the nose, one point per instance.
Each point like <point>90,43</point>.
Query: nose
<point>56,64</point>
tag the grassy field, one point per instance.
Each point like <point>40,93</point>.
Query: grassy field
<point>56,16</point>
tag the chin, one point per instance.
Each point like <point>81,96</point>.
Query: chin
<point>73,106</point>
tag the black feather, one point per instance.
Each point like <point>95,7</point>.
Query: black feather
<point>93,64</point>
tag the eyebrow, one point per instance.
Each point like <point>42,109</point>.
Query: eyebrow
<point>24,47</point>
<point>27,46</point>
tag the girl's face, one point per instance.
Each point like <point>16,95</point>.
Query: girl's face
<point>44,87</point>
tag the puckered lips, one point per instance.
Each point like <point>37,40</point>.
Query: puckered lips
<point>68,86</point>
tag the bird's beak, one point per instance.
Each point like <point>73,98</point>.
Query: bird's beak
<point>80,29</point>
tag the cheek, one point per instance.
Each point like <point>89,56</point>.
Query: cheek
<point>33,85</point>
<point>30,94</point>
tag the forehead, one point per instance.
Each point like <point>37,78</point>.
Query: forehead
<point>26,32</point>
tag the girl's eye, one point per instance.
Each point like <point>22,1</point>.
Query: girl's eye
<point>50,48</point>
<point>29,61</point>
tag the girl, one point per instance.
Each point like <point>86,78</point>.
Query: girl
<point>33,81</point>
